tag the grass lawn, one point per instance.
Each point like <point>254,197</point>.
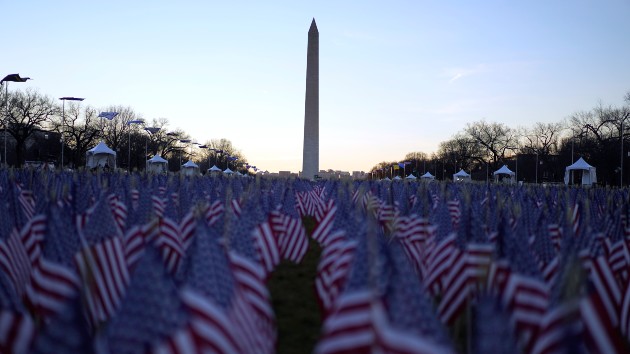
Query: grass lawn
<point>292,289</point>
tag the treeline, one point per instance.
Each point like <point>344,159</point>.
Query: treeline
<point>539,152</point>
<point>35,124</point>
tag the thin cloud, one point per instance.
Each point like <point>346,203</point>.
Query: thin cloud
<point>458,73</point>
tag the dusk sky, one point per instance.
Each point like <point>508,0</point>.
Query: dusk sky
<point>395,76</point>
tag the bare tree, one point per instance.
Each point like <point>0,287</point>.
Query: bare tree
<point>116,131</point>
<point>164,141</point>
<point>81,131</point>
<point>219,151</point>
<point>496,138</point>
<point>383,169</point>
<point>27,112</point>
<point>417,160</point>
<point>541,138</point>
<point>461,152</point>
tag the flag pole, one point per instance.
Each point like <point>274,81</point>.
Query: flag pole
<point>6,107</point>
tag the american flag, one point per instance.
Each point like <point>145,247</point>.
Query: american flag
<point>325,223</point>
<point>17,332</point>
<point>332,270</point>
<point>119,211</point>
<point>210,329</point>
<point>542,285</point>
<point>492,330</point>
<point>438,260</point>
<point>250,284</point>
<point>410,318</point>
<point>51,287</point>
<point>169,242</point>
<point>65,333</point>
<point>206,268</point>
<point>291,236</point>
<point>20,252</point>
<point>104,275</point>
<point>214,212</point>
<point>151,310</point>
<point>601,335</point>
<point>266,245</point>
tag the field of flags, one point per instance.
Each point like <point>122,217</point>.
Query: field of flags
<point>117,263</point>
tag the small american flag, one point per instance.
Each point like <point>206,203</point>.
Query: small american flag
<point>17,332</point>
<point>104,274</point>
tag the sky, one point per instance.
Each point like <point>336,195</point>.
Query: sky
<point>395,76</point>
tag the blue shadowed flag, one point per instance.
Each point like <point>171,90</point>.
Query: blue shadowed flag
<point>65,333</point>
<point>62,240</point>
<point>492,331</point>
<point>100,224</point>
<point>150,311</point>
<point>206,267</point>
<point>407,303</point>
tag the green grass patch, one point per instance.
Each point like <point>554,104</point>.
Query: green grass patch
<point>292,288</point>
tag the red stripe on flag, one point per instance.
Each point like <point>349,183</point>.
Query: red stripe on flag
<point>105,276</point>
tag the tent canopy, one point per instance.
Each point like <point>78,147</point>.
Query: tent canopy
<point>505,175</point>
<point>190,168</point>
<point>428,175</point>
<point>228,171</point>
<point>504,171</point>
<point>190,164</point>
<point>580,164</point>
<point>101,148</point>
<point>411,176</point>
<point>214,168</point>
<point>589,173</point>
<point>157,159</point>
<point>100,156</point>
<point>461,176</point>
<point>157,164</point>
<point>461,173</point>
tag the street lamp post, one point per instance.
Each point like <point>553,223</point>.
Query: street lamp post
<point>63,121</point>
<point>129,123</point>
<point>151,131</point>
<point>201,146</point>
<point>174,136</point>
<point>536,169</point>
<point>6,80</point>
<point>185,141</point>
<point>621,155</point>
<point>516,173</point>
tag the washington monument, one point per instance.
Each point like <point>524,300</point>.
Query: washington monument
<point>310,157</point>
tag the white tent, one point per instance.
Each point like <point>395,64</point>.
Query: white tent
<point>190,168</point>
<point>504,174</point>
<point>461,176</point>
<point>411,177</point>
<point>100,156</point>
<point>397,178</point>
<point>228,171</point>
<point>214,170</point>
<point>427,176</point>
<point>157,164</point>
<point>589,174</point>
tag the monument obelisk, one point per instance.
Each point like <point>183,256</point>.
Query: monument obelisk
<point>310,157</point>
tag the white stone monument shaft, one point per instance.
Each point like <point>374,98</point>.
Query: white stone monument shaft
<point>310,157</point>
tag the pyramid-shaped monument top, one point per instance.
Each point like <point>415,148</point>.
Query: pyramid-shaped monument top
<point>313,27</point>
